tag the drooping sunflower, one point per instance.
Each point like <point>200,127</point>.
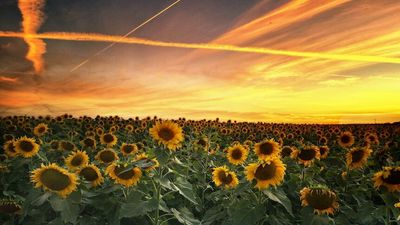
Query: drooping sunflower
<point>201,144</point>
<point>267,149</point>
<point>76,160</point>
<point>121,175</point>
<point>92,174</point>
<point>67,146</point>
<point>55,145</point>
<point>389,177</point>
<point>286,151</point>
<point>9,148</point>
<point>267,173</point>
<point>153,163</point>
<point>41,129</point>
<point>27,147</point>
<point>323,151</point>
<point>108,139</point>
<point>306,155</point>
<point>89,142</point>
<point>106,156</point>
<point>237,154</point>
<point>128,149</point>
<point>346,139</point>
<point>55,179</point>
<point>357,157</point>
<point>10,206</point>
<point>223,177</point>
<point>167,133</point>
<point>322,200</point>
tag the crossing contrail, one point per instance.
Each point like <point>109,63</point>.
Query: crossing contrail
<point>205,46</point>
<point>126,35</point>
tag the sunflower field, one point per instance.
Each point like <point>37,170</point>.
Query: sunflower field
<point>111,170</point>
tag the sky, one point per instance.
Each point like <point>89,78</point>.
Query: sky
<point>212,76</point>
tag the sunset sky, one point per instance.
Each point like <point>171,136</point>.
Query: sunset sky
<point>171,82</point>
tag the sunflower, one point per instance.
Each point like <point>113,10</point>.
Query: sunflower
<point>323,151</point>
<point>40,129</point>
<point>55,179</point>
<point>10,206</point>
<point>267,149</point>
<point>286,151</point>
<point>237,154</point>
<point>357,157</point>
<point>26,147</point>
<point>76,160</point>
<point>121,174</point>
<point>269,172</point>
<point>55,145</point>
<point>89,142</point>
<point>92,174</point>
<point>202,143</point>
<point>67,146</point>
<point>167,133</point>
<point>108,139</point>
<point>222,176</point>
<point>306,155</point>
<point>129,128</point>
<point>9,148</point>
<point>397,205</point>
<point>346,139</point>
<point>106,156</point>
<point>389,177</point>
<point>322,200</point>
<point>127,149</point>
<point>372,138</point>
<point>145,159</point>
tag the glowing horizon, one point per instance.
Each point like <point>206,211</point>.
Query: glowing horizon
<point>298,61</point>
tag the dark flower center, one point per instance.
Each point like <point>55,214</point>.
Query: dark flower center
<point>266,148</point>
<point>54,179</point>
<point>320,199</point>
<point>393,178</point>
<point>89,174</point>
<point>11,148</point>
<point>166,134</point>
<point>357,156</point>
<point>236,154</point>
<point>322,150</point>
<point>225,179</point>
<point>202,142</point>
<point>42,129</point>
<point>265,172</point>
<point>26,146</point>
<point>89,142</point>
<point>307,154</point>
<point>54,145</point>
<point>345,139</point>
<point>128,148</point>
<point>107,156</point>
<point>108,138</point>
<point>68,146</point>
<point>286,151</point>
<point>77,160</point>
<point>125,175</point>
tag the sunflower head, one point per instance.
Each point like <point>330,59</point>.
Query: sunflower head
<point>225,178</point>
<point>153,163</point>
<point>167,133</point>
<point>27,147</point>
<point>55,145</point>
<point>346,139</point>
<point>389,177</point>
<point>323,151</point>
<point>10,206</point>
<point>357,157</point>
<point>322,200</point>
<point>89,142</point>
<point>40,129</point>
<point>76,160</point>
<point>67,146</point>
<point>92,174</point>
<point>237,154</point>
<point>306,155</point>
<point>267,173</point>
<point>267,149</point>
<point>106,156</point>
<point>286,151</point>
<point>108,139</point>
<point>124,175</point>
<point>55,179</point>
<point>9,148</point>
<point>128,149</point>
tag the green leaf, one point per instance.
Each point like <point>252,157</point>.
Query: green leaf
<point>185,189</point>
<point>136,206</point>
<point>244,212</point>
<point>41,199</point>
<point>214,214</point>
<point>277,195</point>
<point>68,210</point>
<point>185,216</point>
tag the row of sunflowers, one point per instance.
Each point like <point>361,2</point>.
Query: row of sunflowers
<point>111,170</point>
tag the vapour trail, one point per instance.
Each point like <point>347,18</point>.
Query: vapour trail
<point>205,46</point>
<point>32,19</point>
<point>126,35</point>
